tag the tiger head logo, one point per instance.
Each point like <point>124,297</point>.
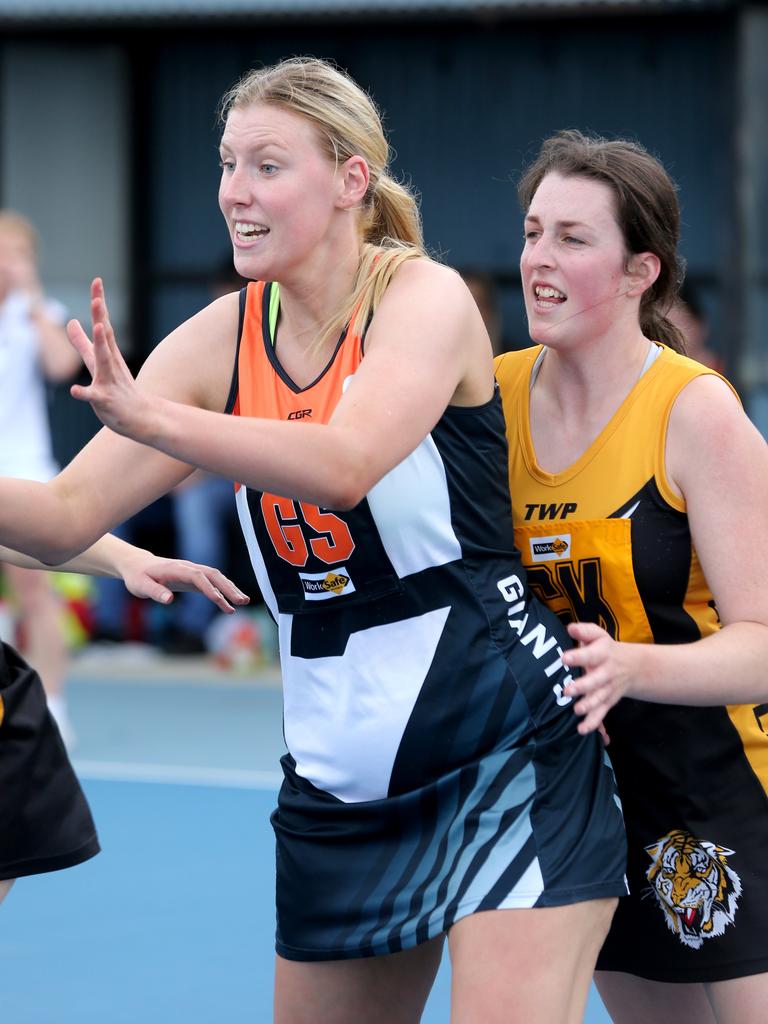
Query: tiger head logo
<point>696,890</point>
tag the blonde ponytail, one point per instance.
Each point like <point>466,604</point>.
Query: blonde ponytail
<point>393,214</point>
<point>391,236</point>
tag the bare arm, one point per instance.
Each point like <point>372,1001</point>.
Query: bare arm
<point>425,350</point>
<point>719,463</point>
<point>427,347</point>
<point>113,477</point>
<point>144,574</point>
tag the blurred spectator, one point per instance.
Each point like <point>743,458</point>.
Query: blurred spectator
<point>485,292</point>
<point>33,349</point>
<point>688,315</point>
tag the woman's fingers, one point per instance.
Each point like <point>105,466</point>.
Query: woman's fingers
<point>189,576</point>
<point>598,689</point>
<point>217,588</point>
<point>153,590</point>
<point>585,685</point>
<point>180,575</point>
<point>100,311</point>
<point>604,673</point>
<point>107,357</point>
<point>101,363</point>
<point>585,632</point>
<point>593,720</point>
<point>81,343</point>
<point>589,655</point>
<point>595,692</point>
<point>224,586</point>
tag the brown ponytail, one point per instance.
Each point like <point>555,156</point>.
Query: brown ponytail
<point>660,328</point>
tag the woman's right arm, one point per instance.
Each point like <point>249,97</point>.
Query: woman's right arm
<point>718,463</point>
<point>143,573</point>
<point>427,348</point>
<point>113,477</point>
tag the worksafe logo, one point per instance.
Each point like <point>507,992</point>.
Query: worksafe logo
<point>320,586</point>
<point>550,549</point>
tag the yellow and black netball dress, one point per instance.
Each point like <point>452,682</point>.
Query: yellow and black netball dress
<point>607,541</point>
<point>45,823</point>
<point>434,768</point>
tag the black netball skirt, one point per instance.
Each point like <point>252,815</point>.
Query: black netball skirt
<point>697,829</point>
<point>533,825</point>
<point>45,822</point>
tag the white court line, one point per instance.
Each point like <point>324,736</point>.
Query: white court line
<point>182,775</point>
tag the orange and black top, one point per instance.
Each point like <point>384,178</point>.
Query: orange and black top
<point>394,585</point>
<point>434,766</point>
<point>433,759</point>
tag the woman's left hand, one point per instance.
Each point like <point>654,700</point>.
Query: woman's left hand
<point>609,669</point>
<point>147,575</point>
<point>112,393</point>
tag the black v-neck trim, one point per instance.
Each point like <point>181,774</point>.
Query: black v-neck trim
<point>269,348</point>
<point>235,385</point>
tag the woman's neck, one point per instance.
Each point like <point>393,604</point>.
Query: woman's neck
<point>589,377</point>
<point>576,394</point>
<point>312,296</point>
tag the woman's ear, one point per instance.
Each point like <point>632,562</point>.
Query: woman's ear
<point>355,177</point>
<point>642,269</point>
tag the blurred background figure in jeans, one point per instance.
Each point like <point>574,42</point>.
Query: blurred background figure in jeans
<point>204,517</point>
<point>203,506</point>
<point>201,518</point>
<point>34,350</point>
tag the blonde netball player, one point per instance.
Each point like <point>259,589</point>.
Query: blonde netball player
<point>640,492</point>
<point>435,782</point>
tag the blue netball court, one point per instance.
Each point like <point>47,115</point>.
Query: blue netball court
<point>174,920</point>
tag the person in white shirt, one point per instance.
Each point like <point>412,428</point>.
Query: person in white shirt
<point>33,350</point>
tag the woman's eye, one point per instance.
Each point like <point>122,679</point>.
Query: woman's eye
<point>268,168</point>
<point>573,241</point>
<point>226,165</point>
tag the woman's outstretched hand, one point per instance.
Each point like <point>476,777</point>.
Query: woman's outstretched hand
<point>609,669</point>
<point>112,393</point>
<point>148,575</point>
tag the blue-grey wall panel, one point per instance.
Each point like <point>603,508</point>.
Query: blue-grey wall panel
<point>466,107</point>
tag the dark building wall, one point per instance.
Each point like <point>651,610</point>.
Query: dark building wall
<point>466,105</point>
